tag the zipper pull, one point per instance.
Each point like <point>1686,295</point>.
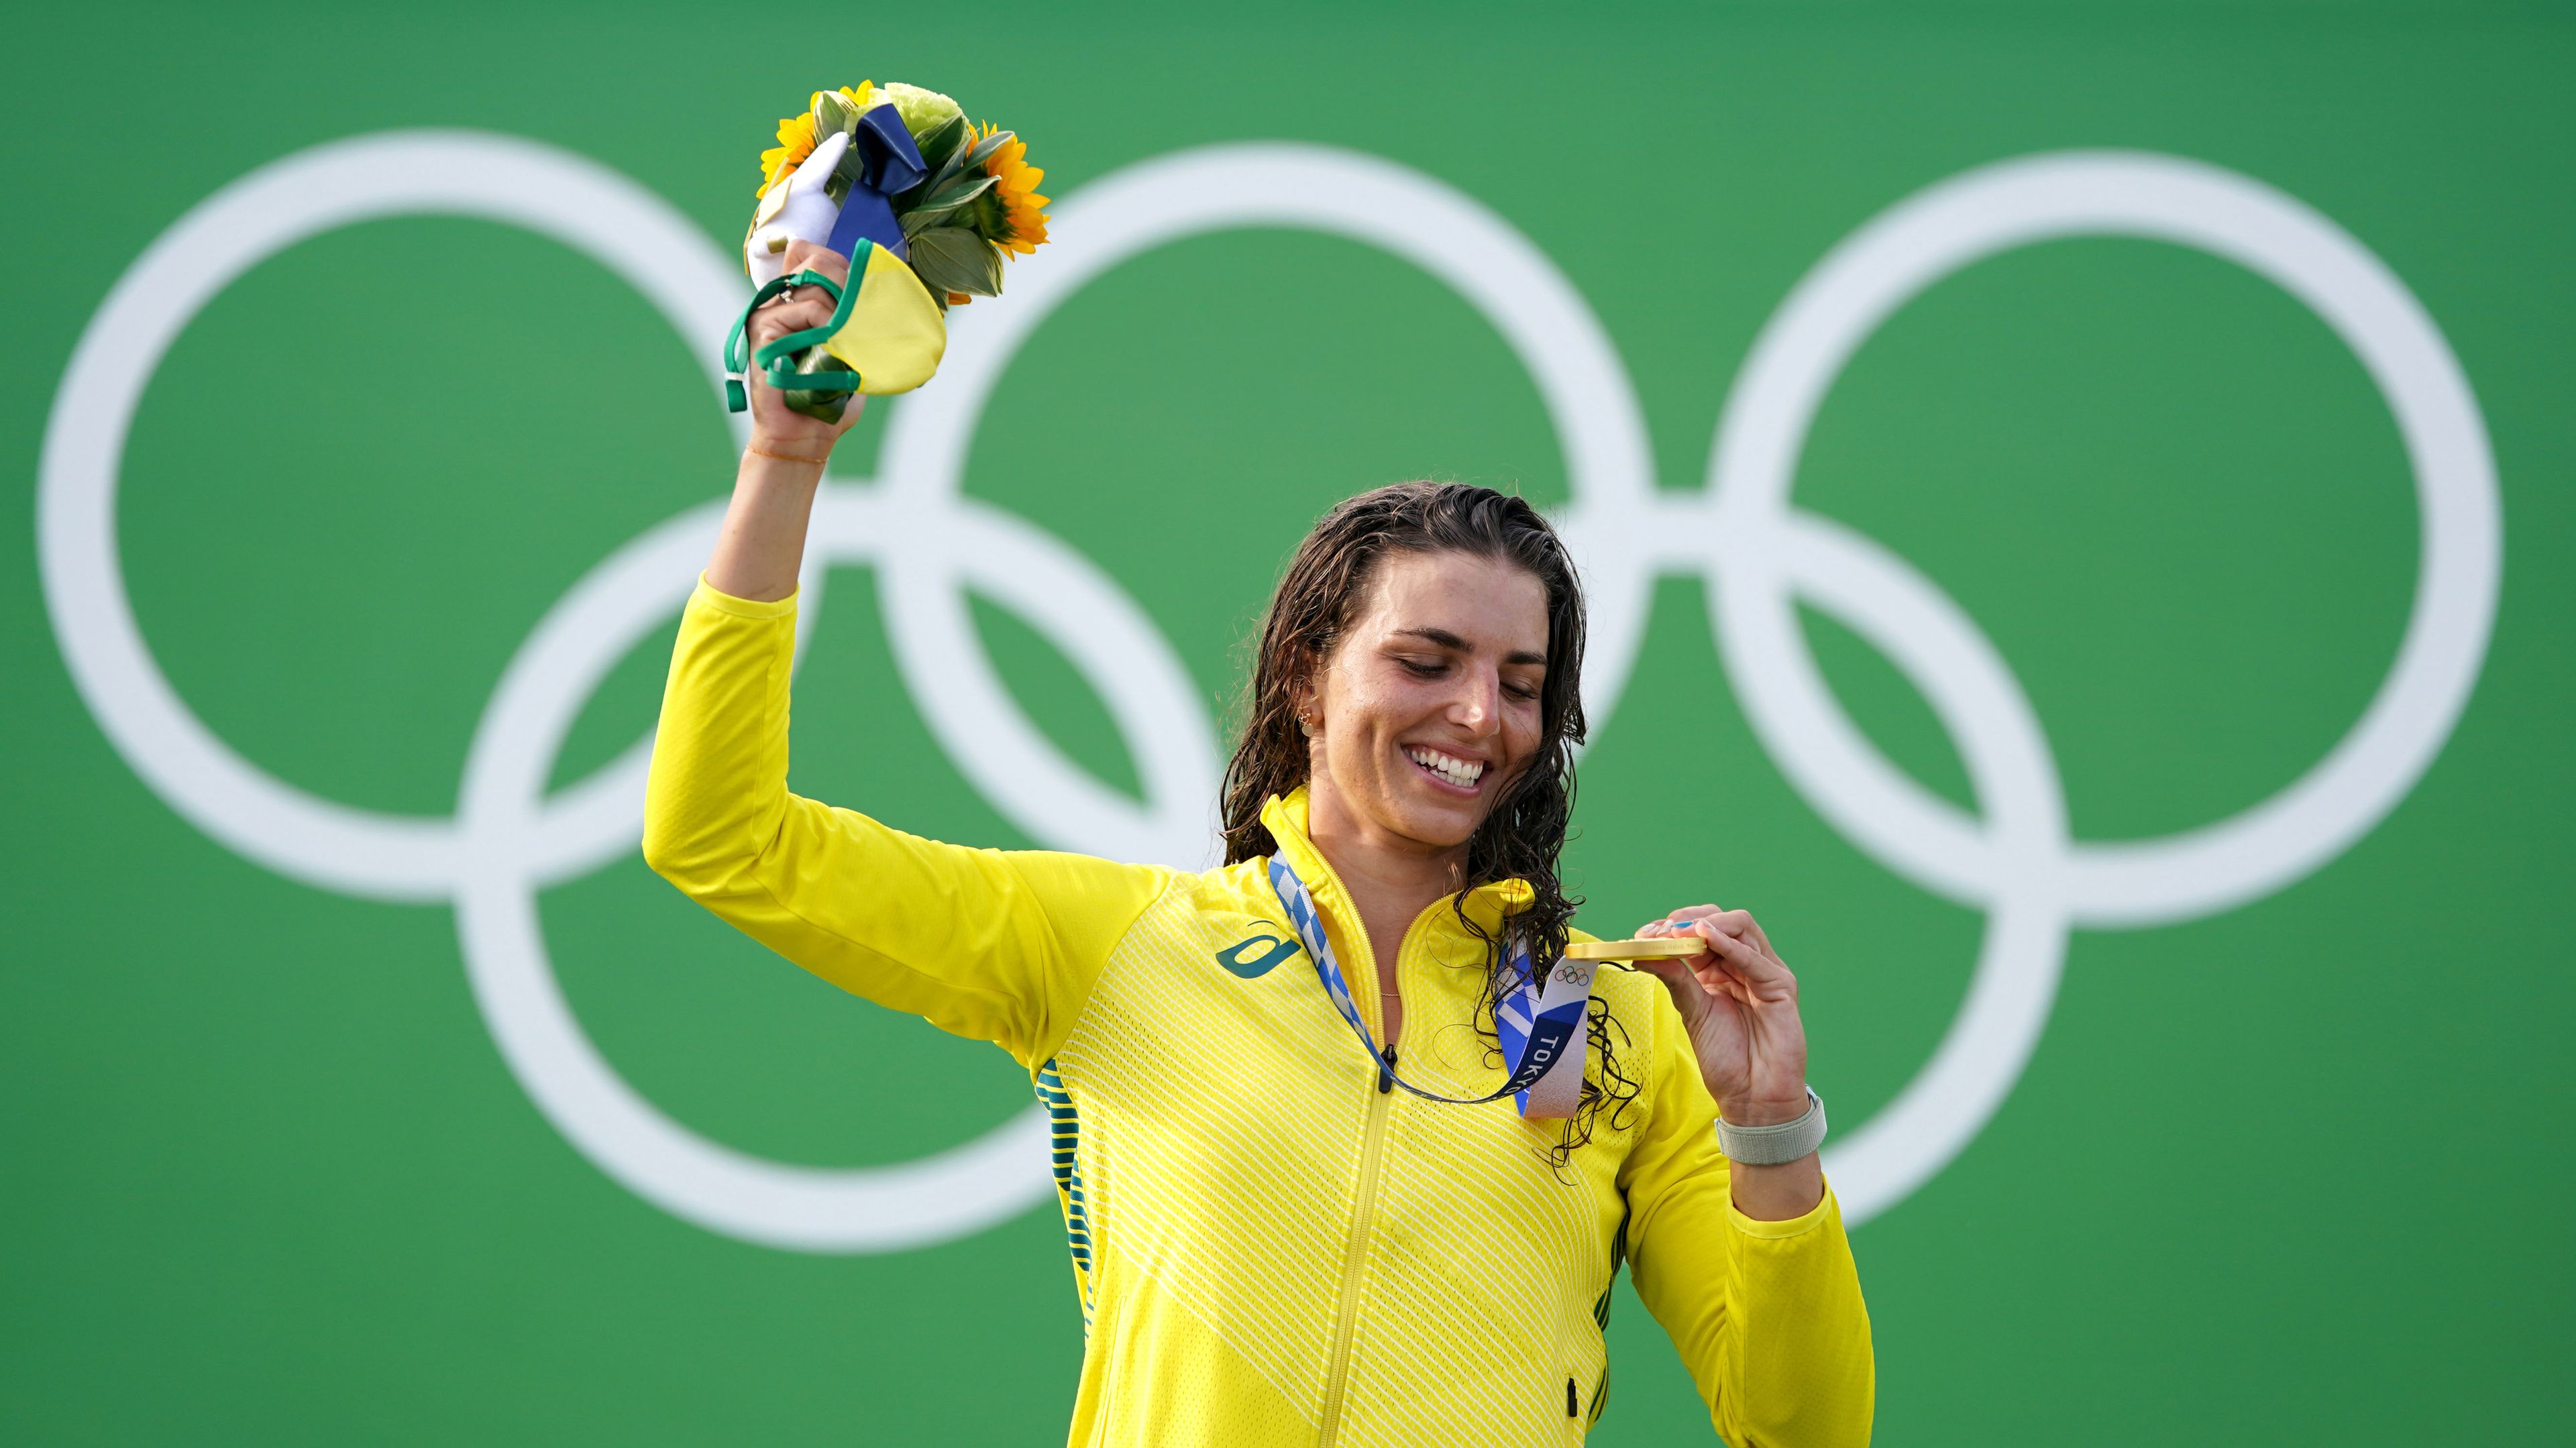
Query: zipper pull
<point>1386,1072</point>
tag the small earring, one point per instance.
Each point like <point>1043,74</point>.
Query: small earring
<point>1307,723</point>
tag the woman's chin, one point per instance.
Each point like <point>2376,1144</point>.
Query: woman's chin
<point>1444,824</point>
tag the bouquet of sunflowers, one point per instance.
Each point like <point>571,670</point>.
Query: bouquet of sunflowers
<point>925,204</point>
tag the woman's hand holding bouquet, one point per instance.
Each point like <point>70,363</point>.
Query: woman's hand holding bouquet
<point>778,426</point>
<point>919,205</point>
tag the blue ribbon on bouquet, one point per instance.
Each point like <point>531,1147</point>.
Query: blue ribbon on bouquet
<point>889,163</point>
<point>1534,1031</point>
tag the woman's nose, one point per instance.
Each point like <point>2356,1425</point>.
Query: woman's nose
<point>1481,702</point>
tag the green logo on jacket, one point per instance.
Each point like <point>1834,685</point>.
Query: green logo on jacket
<point>1253,958</point>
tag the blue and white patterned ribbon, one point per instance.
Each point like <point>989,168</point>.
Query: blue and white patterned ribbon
<point>1539,1022</point>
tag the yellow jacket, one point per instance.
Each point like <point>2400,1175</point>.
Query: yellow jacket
<point>1269,1250</point>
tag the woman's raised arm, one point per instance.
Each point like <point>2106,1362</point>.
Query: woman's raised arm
<point>773,494</point>
<point>999,946</point>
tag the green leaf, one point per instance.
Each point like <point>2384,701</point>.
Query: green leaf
<point>941,145</point>
<point>814,359</point>
<point>990,215</point>
<point>985,148</point>
<point>847,171</point>
<point>938,261</point>
<point>933,184</point>
<point>922,218</point>
<point>958,194</point>
<point>824,405</point>
<point>956,259</point>
<point>833,112</point>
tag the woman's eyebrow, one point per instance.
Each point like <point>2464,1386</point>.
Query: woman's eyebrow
<point>1447,640</point>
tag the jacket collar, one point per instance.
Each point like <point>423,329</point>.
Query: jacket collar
<point>1285,817</point>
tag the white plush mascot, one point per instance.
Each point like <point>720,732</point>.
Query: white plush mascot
<point>796,209</point>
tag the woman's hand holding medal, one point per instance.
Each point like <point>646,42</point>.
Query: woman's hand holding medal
<point>1740,1004</point>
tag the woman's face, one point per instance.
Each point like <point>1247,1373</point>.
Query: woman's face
<point>1429,704</point>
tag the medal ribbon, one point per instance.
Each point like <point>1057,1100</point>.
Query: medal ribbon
<point>1539,1021</point>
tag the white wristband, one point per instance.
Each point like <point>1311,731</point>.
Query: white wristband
<point>1775,1145</point>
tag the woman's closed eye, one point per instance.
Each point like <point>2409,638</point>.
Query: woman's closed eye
<point>1524,690</point>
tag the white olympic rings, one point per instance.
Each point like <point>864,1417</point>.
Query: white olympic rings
<point>2014,858</point>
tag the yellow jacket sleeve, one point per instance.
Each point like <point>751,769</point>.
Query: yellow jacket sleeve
<point>1767,1315</point>
<point>1000,946</point>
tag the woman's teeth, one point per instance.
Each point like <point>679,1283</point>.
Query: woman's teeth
<point>1461,772</point>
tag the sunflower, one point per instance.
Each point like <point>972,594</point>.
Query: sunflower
<point>796,138</point>
<point>1016,218</point>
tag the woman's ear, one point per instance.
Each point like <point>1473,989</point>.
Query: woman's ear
<point>1305,700</point>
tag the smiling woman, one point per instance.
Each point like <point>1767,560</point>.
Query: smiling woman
<point>1272,1245</point>
<point>1417,676</point>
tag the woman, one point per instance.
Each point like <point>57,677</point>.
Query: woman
<point>1271,1245</point>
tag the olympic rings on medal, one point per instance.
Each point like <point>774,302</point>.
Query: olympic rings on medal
<point>930,544</point>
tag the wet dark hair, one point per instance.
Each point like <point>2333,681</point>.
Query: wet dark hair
<point>1524,830</point>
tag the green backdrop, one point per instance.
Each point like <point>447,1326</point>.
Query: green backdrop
<point>2286,1170</point>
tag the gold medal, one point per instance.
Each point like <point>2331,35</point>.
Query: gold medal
<point>1670,947</point>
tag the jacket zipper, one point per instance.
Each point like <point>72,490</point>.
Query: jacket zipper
<point>1363,1215</point>
<point>1337,1370</point>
